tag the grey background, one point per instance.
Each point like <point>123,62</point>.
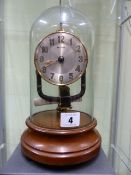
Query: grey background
<point>18,164</point>
<point>2,128</point>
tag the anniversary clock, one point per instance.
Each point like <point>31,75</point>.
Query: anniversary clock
<point>61,127</point>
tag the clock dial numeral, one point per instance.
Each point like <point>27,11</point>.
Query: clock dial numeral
<point>52,42</point>
<point>71,42</point>
<point>70,76</point>
<point>78,48</point>
<point>61,39</point>
<point>81,59</point>
<point>52,75</point>
<point>44,49</point>
<point>61,78</point>
<point>77,68</point>
<point>60,58</point>
<point>44,69</point>
<point>41,58</point>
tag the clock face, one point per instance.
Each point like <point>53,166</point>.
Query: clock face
<point>60,58</point>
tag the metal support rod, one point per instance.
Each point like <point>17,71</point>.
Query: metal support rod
<point>61,24</point>
<point>125,20</point>
<point>58,99</point>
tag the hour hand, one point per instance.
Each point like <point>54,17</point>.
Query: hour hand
<point>49,62</point>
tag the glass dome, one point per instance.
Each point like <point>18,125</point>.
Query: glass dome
<point>68,27</point>
<point>61,123</point>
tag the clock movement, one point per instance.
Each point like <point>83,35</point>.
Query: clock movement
<point>61,127</point>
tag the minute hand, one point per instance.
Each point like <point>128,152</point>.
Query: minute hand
<point>49,62</point>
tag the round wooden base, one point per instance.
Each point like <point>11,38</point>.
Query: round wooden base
<point>60,146</point>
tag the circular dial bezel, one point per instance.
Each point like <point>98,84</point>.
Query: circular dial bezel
<point>74,48</point>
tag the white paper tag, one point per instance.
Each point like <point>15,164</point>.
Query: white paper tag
<point>70,119</point>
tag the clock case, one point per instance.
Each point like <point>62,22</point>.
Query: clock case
<point>45,140</point>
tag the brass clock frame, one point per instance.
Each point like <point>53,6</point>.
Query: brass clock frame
<point>85,59</point>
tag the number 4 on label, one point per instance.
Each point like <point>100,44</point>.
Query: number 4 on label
<point>70,120</point>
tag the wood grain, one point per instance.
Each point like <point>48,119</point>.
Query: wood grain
<point>59,146</point>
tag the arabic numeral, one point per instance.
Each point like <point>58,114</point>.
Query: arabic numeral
<point>52,42</point>
<point>80,59</point>
<point>52,75</point>
<point>77,68</point>
<point>71,76</point>
<point>70,120</point>
<point>61,39</point>
<point>44,49</point>
<point>61,78</point>
<point>44,69</point>
<point>71,41</point>
<point>78,48</point>
<point>41,59</point>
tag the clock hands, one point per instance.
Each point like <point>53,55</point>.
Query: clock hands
<point>50,62</point>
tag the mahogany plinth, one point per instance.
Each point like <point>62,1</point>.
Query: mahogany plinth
<point>46,142</point>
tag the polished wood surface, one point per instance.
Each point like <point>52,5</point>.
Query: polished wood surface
<point>46,142</point>
<point>49,122</point>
